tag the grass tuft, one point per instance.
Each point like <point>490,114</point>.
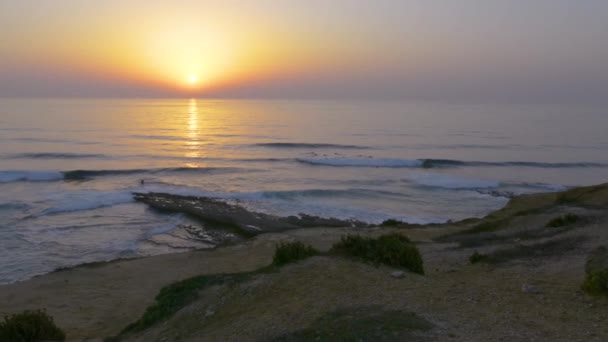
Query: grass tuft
<point>392,249</point>
<point>563,220</point>
<point>30,326</point>
<point>477,257</point>
<point>391,223</point>
<point>176,296</point>
<point>293,251</point>
<point>596,282</point>
<point>596,272</point>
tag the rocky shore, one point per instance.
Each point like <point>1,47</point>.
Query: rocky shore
<point>518,274</point>
<point>219,213</point>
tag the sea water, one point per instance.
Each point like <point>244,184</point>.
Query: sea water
<point>68,167</point>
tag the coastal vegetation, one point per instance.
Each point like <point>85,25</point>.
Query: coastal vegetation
<point>596,272</point>
<point>563,220</point>
<point>29,326</point>
<point>291,252</point>
<point>175,296</point>
<point>391,223</point>
<point>391,249</point>
<point>477,257</point>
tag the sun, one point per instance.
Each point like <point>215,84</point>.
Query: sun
<point>192,79</point>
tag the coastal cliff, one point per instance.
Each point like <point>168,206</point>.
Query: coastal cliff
<point>516,274</point>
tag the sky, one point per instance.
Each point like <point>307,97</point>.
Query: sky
<point>467,50</point>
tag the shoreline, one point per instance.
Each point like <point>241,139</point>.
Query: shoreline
<point>97,300</point>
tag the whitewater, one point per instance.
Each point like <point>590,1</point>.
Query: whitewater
<point>69,167</point>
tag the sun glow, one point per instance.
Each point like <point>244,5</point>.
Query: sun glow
<point>170,49</point>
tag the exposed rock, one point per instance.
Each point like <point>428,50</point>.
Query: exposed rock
<point>497,193</point>
<point>247,222</point>
<point>398,274</point>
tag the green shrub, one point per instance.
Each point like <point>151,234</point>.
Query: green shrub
<point>596,272</point>
<point>392,249</point>
<point>390,223</point>
<point>292,251</point>
<point>596,283</point>
<point>172,298</point>
<point>563,220</point>
<point>477,257</point>
<point>30,326</point>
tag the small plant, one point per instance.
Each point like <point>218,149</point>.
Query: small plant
<point>596,272</point>
<point>392,249</point>
<point>596,283</point>
<point>563,220</point>
<point>292,251</point>
<point>30,326</point>
<point>391,223</point>
<point>173,297</point>
<point>477,257</point>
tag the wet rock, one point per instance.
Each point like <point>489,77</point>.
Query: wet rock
<point>245,222</point>
<point>497,193</point>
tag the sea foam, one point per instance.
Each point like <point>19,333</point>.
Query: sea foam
<point>86,200</point>
<point>436,180</point>
<point>30,176</point>
<point>362,162</point>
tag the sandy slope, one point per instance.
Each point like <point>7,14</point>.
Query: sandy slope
<point>462,301</point>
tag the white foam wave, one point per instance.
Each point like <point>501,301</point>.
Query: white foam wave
<point>436,180</point>
<point>362,162</point>
<point>32,176</point>
<point>87,200</point>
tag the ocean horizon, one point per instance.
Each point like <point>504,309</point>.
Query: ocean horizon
<point>69,167</point>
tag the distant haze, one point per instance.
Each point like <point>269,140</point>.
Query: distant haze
<point>469,50</point>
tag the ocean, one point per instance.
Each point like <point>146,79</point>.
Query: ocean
<point>68,167</point>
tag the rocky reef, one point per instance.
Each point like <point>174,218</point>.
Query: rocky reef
<point>244,222</point>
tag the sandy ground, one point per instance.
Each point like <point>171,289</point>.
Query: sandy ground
<point>464,302</point>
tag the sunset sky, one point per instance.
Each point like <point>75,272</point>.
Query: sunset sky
<point>514,50</point>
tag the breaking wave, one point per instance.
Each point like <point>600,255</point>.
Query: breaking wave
<point>436,163</point>
<point>310,145</point>
<point>48,176</point>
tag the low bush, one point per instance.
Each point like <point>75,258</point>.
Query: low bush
<point>596,283</point>
<point>173,297</point>
<point>563,220</point>
<point>392,249</point>
<point>477,257</point>
<point>30,326</point>
<point>292,251</point>
<point>596,272</point>
<point>391,223</point>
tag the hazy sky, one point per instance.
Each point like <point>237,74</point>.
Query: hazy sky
<point>477,50</point>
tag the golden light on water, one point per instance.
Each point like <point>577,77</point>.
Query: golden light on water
<point>193,133</point>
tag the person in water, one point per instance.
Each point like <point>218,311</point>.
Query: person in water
<point>141,182</point>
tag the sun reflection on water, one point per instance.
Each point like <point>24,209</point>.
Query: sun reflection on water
<point>193,132</point>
